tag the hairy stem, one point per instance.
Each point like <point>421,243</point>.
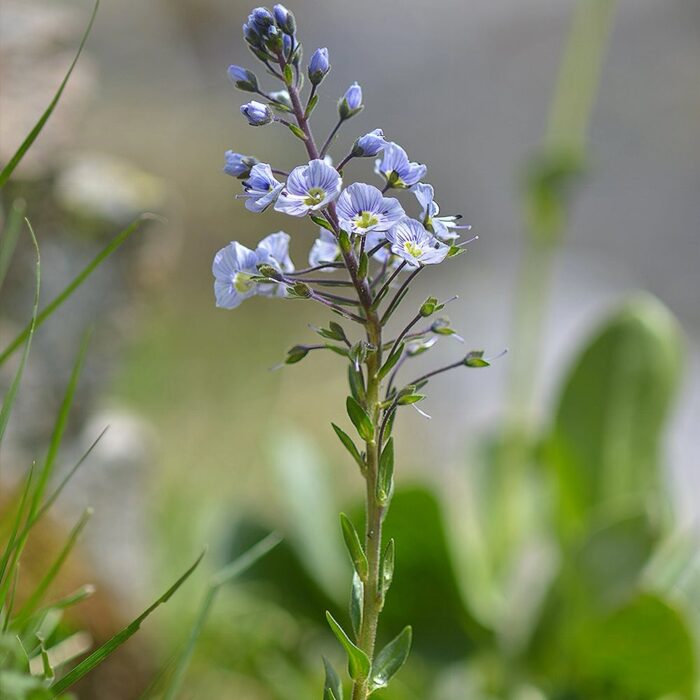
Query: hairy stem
<point>372,602</point>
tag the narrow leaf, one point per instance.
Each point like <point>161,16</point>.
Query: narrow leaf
<point>320,221</point>
<point>358,663</point>
<point>386,574</point>
<point>309,109</point>
<point>391,361</point>
<point>98,656</point>
<point>297,131</point>
<point>360,419</point>
<point>352,542</point>
<point>349,446</point>
<point>34,133</point>
<point>333,688</point>
<point>356,603</point>
<point>115,243</point>
<point>357,383</point>
<point>385,475</point>
<point>390,659</point>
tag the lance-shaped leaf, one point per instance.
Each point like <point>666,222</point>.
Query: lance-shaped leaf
<point>360,419</point>
<point>352,542</point>
<point>349,446</point>
<point>359,665</point>
<point>333,688</point>
<point>390,659</point>
<point>386,569</point>
<point>385,476</point>
<point>356,603</point>
<point>391,361</point>
<point>356,382</point>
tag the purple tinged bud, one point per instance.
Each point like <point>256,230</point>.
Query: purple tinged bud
<point>261,18</point>
<point>243,79</point>
<point>369,145</point>
<point>238,165</point>
<point>285,19</point>
<point>351,102</point>
<point>256,113</point>
<point>319,66</point>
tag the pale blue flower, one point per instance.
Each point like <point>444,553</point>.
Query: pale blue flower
<point>235,268</point>
<point>257,113</point>
<point>261,188</point>
<point>351,102</point>
<point>441,226</point>
<point>362,208</point>
<point>412,243</point>
<point>369,145</point>
<point>309,188</point>
<point>396,169</point>
<point>325,249</point>
<point>238,165</point>
<point>318,66</point>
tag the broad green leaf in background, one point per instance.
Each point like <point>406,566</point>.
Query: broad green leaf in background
<point>643,650</point>
<point>605,440</point>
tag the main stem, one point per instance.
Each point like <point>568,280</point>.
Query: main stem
<point>374,512</point>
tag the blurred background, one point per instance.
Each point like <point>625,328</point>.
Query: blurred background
<point>206,445</point>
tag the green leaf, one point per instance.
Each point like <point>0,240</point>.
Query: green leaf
<point>320,221</point>
<point>609,422</point>
<point>99,655</point>
<point>225,575</point>
<point>354,546</point>
<point>113,245</point>
<point>358,664</point>
<point>333,688</point>
<point>360,419</point>
<point>349,446</point>
<point>297,131</point>
<point>385,475</point>
<point>390,659</point>
<point>288,76</point>
<point>475,359</point>
<point>408,399</point>
<point>34,133</point>
<point>391,361</point>
<point>386,569</point>
<point>356,604</point>
<point>643,650</point>
<point>307,113</point>
<point>296,354</point>
<point>356,381</point>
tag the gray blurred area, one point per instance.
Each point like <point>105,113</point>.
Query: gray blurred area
<point>464,87</point>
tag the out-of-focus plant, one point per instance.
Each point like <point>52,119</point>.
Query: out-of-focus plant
<point>35,652</point>
<point>378,251</point>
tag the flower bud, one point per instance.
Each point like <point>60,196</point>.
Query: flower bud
<point>261,18</point>
<point>351,102</point>
<point>243,79</point>
<point>285,19</point>
<point>256,113</point>
<point>318,66</point>
<point>296,354</point>
<point>429,307</point>
<point>238,165</point>
<point>301,289</point>
<point>369,145</point>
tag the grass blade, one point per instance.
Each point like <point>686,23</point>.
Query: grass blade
<point>59,427</point>
<point>43,585</point>
<point>10,236</point>
<point>99,655</point>
<point>27,336</point>
<point>228,573</point>
<point>115,243</point>
<point>34,133</point>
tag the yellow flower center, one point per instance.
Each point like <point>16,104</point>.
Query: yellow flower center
<point>412,249</point>
<point>243,282</point>
<point>314,196</point>
<point>366,219</point>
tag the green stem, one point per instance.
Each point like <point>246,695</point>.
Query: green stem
<point>372,599</point>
